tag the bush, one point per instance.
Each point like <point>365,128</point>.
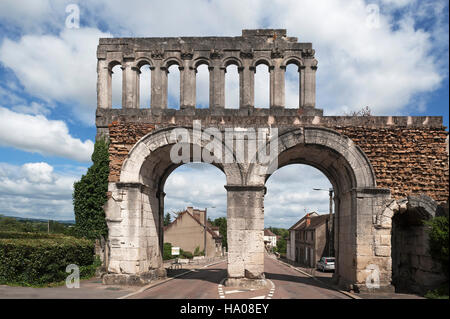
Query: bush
<point>186,254</point>
<point>39,259</point>
<point>197,252</point>
<point>167,251</point>
<point>438,243</point>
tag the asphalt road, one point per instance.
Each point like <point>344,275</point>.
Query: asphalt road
<point>206,283</point>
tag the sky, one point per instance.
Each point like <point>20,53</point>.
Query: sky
<point>390,55</point>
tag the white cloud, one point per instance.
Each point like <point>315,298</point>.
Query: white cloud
<point>41,135</point>
<point>35,190</point>
<point>289,192</point>
<point>57,68</point>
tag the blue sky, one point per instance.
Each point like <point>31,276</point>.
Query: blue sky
<point>391,55</point>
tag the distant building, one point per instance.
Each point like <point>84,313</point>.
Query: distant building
<point>187,232</point>
<point>270,239</point>
<point>309,239</point>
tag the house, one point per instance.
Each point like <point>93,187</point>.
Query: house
<point>309,239</point>
<point>270,239</point>
<point>187,231</point>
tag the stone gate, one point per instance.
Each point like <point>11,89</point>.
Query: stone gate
<point>379,166</point>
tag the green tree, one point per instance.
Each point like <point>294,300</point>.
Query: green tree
<point>90,194</point>
<point>438,241</point>
<point>167,219</point>
<point>221,222</point>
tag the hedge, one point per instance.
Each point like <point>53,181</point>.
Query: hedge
<point>40,259</point>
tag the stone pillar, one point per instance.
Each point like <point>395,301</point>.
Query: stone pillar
<point>159,86</point>
<point>246,86</point>
<point>373,246</point>
<point>301,91</point>
<point>217,85</point>
<point>129,82</point>
<point>245,219</point>
<point>277,85</point>
<point>135,255</point>
<point>309,87</point>
<point>103,84</point>
<point>187,85</point>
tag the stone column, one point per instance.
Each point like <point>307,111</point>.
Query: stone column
<point>159,86</point>
<point>217,85</point>
<point>187,85</point>
<point>301,91</point>
<point>135,255</point>
<point>277,85</point>
<point>310,82</point>
<point>245,219</point>
<point>103,84</point>
<point>373,264</point>
<point>246,86</point>
<point>129,82</point>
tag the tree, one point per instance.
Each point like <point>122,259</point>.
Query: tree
<point>438,241</point>
<point>167,219</point>
<point>221,222</point>
<point>365,111</point>
<point>90,194</point>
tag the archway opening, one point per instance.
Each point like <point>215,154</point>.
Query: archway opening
<point>202,86</point>
<point>413,269</point>
<point>231,87</point>
<point>144,86</point>
<point>292,82</point>
<point>116,87</point>
<point>195,195</point>
<point>173,87</point>
<point>262,86</point>
<point>297,209</point>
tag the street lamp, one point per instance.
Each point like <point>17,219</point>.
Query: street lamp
<point>330,191</point>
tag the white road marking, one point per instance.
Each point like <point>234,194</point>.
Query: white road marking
<point>258,297</point>
<point>234,291</point>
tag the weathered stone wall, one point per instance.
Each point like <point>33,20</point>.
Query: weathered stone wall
<point>407,160</point>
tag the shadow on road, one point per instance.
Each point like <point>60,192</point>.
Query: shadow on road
<point>214,275</point>
<point>307,281</point>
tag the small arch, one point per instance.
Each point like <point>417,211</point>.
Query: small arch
<point>262,86</point>
<point>232,61</point>
<point>292,60</point>
<point>144,85</point>
<point>139,63</point>
<point>232,93</point>
<point>262,60</point>
<point>113,63</point>
<point>201,61</point>
<point>202,86</point>
<point>173,85</point>
<point>116,85</point>
<point>172,61</point>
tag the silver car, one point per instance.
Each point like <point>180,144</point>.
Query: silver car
<point>326,263</point>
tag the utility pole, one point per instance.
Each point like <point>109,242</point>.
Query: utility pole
<point>48,226</point>
<point>330,222</point>
<point>204,238</point>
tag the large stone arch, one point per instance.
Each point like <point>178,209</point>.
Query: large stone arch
<point>356,197</point>
<point>135,208</point>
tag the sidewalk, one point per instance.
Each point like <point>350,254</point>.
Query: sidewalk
<point>326,278</point>
<point>89,289</point>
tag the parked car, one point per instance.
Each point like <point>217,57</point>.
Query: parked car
<point>326,263</point>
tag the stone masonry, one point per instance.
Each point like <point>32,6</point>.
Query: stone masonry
<point>373,162</point>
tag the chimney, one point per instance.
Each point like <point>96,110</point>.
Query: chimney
<point>308,220</point>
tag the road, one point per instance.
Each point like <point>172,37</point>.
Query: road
<point>206,283</point>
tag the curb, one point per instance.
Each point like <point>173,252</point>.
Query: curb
<point>151,285</point>
<point>348,294</point>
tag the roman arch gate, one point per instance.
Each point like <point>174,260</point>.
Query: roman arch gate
<point>378,165</point>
